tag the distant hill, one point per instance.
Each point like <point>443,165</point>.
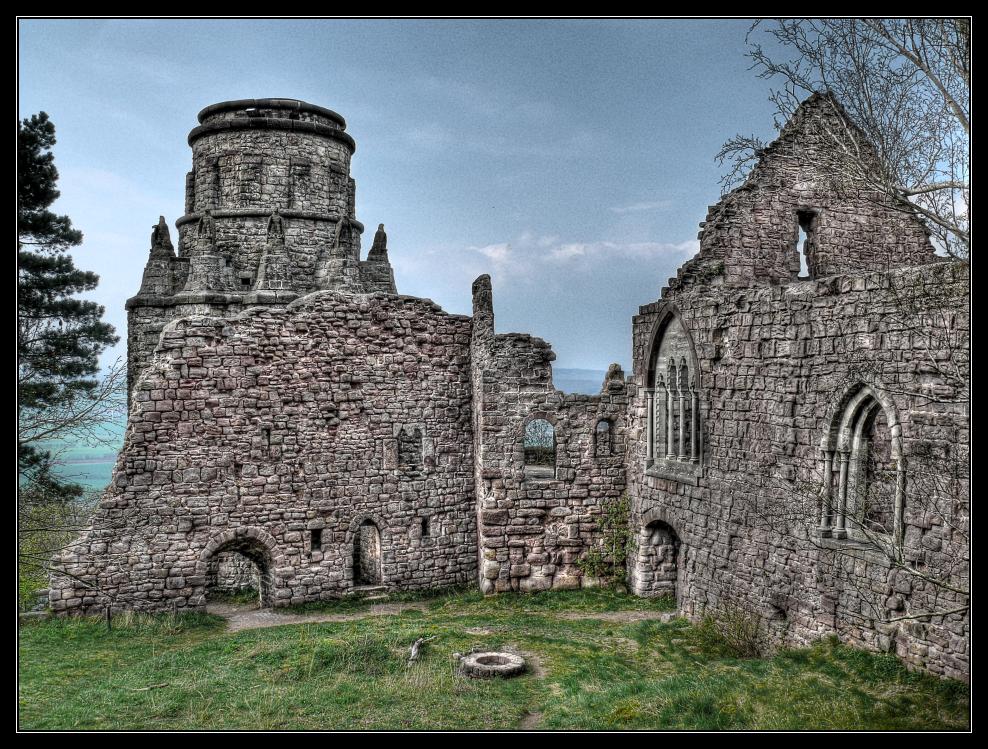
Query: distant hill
<point>586,381</point>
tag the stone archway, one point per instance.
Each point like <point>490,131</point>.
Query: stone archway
<point>237,556</point>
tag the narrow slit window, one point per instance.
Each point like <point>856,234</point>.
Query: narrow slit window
<point>602,438</point>
<point>410,449</point>
<point>804,242</point>
<point>804,269</point>
<point>315,540</point>
<point>426,527</point>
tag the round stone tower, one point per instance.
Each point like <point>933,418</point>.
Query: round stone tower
<point>253,157</point>
<point>269,216</point>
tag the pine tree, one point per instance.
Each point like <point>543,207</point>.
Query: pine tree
<point>59,337</point>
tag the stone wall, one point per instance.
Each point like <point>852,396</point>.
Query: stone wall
<point>535,525</point>
<point>275,434</point>
<point>829,493</point>
<point>775,366</point>
<point>230,572</point>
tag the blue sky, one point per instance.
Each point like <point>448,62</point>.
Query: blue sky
<point>570,159</point>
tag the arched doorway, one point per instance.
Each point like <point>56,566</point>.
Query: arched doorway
<point>657,566</point>
<point>240,569</point>
<point>367,554</point>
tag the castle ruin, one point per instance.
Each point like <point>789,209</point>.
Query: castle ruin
<point>789,443</point>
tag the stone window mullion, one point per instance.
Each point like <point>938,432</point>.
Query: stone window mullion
<point>827,492</point>
<point>659,418</point>
<point>840,529</point>
<point>694,423</point>
<point>671,415</point>
<point>681,391</point>
<point>650,425</point>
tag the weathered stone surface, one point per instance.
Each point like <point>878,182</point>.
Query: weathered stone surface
<point>778,358</point>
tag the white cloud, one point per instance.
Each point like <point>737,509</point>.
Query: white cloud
<point>578,295</point>
<point>498,253</point>
<point>567,251</point>
<point>529,254</point>
<point>654,205</point>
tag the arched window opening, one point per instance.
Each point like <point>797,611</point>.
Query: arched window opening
<point>673,430</point>
<point>863,490</point>
<point>602,439</point>
<point>367,555</point>
<point>540,449</point>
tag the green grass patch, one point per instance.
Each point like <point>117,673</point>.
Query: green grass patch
<point>187,672</point>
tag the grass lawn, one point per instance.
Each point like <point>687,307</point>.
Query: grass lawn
<point>591,669</point>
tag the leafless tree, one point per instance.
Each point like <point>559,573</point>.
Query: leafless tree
<point>540,443</point>
<point>49,519</point>
<point>87,418</point>
<point>904,93</point>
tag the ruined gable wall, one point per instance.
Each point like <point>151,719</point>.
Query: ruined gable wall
<point>751,235</point>
<point>773,362</point>
<point>532,529</point>
<point>264,428</point>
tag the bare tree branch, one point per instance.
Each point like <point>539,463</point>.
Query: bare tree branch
<point>905,86</point>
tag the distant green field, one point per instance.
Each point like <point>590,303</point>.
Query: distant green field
<point>85,464</point>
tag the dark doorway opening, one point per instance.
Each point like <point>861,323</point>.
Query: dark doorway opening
<point>367,555</point>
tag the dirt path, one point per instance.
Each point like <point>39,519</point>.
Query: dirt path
<point>622,616</point>
<point>530,721</point>
<point>240,617</point>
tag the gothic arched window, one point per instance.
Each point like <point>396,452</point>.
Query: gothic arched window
<point>863,488</point>
<point>673,430</point>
